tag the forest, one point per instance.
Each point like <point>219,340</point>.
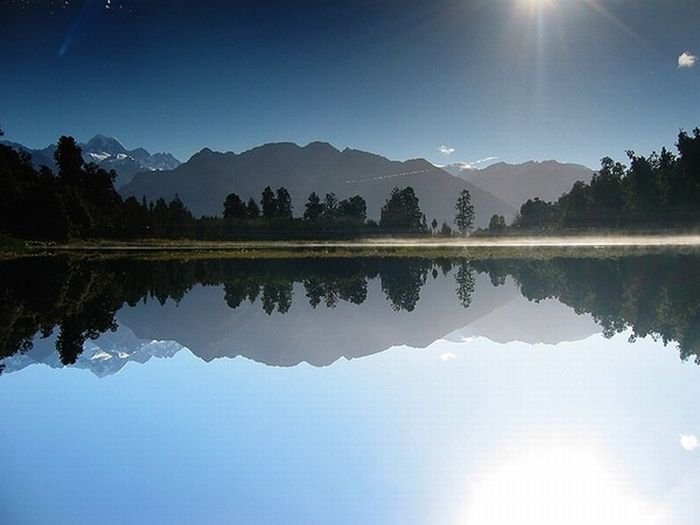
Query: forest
<point>79,201</point>
<point>658,192</point>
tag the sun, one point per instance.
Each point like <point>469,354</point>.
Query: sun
<point>538,3</point>
<point>533,9</point>
<point>552,482</point>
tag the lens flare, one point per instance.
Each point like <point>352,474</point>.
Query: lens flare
<point>554,481</point>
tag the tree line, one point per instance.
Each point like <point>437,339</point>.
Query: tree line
<point>78,298</point>
<point>659,191</point>
<point>79,201</point>
<point>329,217</point>
<point>651,295</point>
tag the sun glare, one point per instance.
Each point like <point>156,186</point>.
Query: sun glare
<point>552,483</point>
<point>538,3</point>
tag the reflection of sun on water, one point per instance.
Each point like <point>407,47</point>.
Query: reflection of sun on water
<point>556,482</point>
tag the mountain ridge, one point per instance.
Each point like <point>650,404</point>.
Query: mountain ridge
<point>208,176</point>
<point>516,183</point>
<point>108,153</point>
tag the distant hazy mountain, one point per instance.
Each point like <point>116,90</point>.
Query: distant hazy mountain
<point>110,154</point>
<point>547,321</point>
<point>204,181</point>
<point>40,157</point>
<point>516,183</point>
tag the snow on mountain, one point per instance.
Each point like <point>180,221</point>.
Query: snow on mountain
<point>104,144</point>
<point>110,154</point>
<point>96,157</point>
<point>104,356</point>
<point>457,168</point>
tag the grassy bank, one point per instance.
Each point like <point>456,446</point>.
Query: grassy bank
<point>471,247</point>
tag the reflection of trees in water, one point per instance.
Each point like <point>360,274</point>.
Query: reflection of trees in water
<point>329,282</point>
<point>651,295</point>
<point>331,291</point>
<point>654,295</point>
<point>79,298</point>
<point>277,295</point>
<point>402,280</point>
<point>40,294</point>
<point>465,284</point>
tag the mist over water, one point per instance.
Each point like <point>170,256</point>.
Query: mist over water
<point>562,241</point>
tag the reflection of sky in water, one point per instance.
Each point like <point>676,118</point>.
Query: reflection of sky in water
<point>489,432</point>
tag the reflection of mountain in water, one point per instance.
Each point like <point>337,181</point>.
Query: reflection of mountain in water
<point>204,323</point>
<point>548,321</point>
<point>283,312</point>
<point>104,356</point>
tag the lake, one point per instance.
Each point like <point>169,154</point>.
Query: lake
<point>351,390</point>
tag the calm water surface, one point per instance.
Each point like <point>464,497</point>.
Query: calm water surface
<point>370,390</point>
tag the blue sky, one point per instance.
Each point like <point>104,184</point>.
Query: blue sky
<point>572,80</point>
<point>404,436</point>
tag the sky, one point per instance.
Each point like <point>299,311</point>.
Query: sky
<point>447,80</point>
<point>403,436</point>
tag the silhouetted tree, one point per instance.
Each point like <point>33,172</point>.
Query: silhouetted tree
<point>268,202</point>
<point>464,219</point>
<point>606,194</point>
<point>401,212</point>
<point>179,218</point>
<point>234,207</point>
<point>69,160</point>
<point>252,209</point>
<point>330,207</point>
<point>497,224</point>
<point>575,206</point>
<point>313,208</point>
<point>537,214</point>
<point>353,209</point>
<point>284,204</point>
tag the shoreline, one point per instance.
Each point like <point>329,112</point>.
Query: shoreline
<point>472,247</point>
<point>468,242</point>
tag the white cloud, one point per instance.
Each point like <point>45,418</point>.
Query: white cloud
<point>485,159</point>
<point>689,442</point>
<point>447,356</point>
<point>445,150</point>
<point>687,59</point>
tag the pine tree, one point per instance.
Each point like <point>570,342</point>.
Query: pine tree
<point>464,220</point>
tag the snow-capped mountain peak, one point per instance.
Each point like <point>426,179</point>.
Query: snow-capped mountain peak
<point>104,144</point>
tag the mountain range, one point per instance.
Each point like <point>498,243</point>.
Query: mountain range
<point>108,153</point>
<point>207,177</point>
<point>516,183</point>
<point>204,181</point>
